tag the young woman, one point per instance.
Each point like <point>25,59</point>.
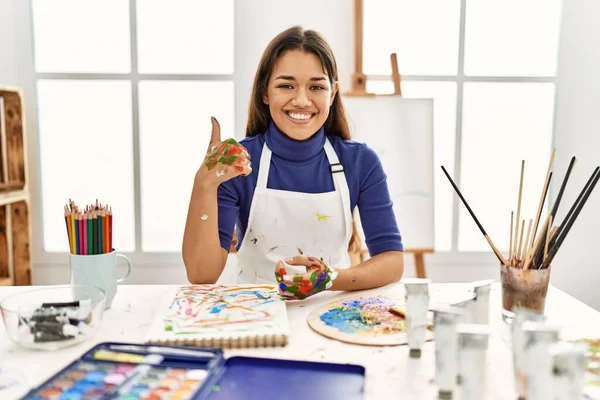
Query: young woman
<point>291,185</point>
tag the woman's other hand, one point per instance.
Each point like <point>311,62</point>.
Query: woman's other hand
<point>318,277</point>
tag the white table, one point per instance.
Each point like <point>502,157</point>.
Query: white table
<point>390,373</point>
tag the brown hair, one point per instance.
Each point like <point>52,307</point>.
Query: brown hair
<point>296,38</point>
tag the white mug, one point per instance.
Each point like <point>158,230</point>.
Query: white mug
<point>98,270</point>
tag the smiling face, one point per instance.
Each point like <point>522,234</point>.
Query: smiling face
<point>299,94</point>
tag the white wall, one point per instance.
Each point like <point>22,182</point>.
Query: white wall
<point>8,64</point>
<point>576,269</point>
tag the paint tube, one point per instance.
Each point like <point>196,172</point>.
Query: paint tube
<point>417,302</point>
<point>467,307</point>
<point>518,345</point>
<point>472,351</point>
<point>538,362</point>
<point>481,304</point>
<point>568,369</point>
<point>444,328</point>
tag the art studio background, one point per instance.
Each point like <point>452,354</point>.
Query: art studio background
<point>509,81</point>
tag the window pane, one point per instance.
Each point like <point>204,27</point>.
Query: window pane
<point>81,36</point>
<point>512,37</point>
<point>503,124</point>
<point>423,33</point>
<point>174,135</point>
<point>444,127</point>
<point>186,36</point>
<point>85,154</point>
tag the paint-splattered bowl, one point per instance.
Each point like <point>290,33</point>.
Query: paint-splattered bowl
<point>53,317</point>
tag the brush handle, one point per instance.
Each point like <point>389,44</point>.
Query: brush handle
<point>577,207</point>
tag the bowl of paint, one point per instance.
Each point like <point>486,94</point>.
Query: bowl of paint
<point>53,317</point>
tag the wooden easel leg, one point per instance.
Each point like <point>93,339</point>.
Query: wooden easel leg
<point>420,265</point>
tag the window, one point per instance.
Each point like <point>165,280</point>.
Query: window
<point>128,105</point>
<point>490,67</point>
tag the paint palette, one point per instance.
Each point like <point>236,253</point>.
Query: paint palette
<point>127,371</point>
<point>130,372</point>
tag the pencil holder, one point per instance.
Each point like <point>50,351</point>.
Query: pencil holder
<point>98,270</point>
<point>524,288</point>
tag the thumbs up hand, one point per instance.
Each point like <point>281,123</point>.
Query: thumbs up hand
<point>225,159</point>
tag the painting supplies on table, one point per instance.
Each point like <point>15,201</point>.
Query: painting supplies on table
<point>366,320</point>
<point>518,345</point>
<point>568,369</point>
<point>591,387</point>
<point>525,272</point>
<point>446,342</point>
<point>51,322</point>
<point>417,304</point>
<point>164,372</point>
<point>476,307</point>
<point>472,349</point>
<point>89,230</point>
<point>221,316</point>
<point>538,339</point>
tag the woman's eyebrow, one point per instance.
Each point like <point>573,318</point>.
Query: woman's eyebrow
<point>291,78</point>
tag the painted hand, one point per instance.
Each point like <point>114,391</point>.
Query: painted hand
<point>318,277</point>
<point>225,159</point>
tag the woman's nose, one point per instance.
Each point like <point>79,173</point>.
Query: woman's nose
<point>301,99</point>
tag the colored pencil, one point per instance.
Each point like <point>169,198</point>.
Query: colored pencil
<point>94,232</point>
<point>110,238</point>
<point>99,230</point>
<point>89,229</point>
<point>85,234</point>
<point>90,236</point>
<point>72,220</point>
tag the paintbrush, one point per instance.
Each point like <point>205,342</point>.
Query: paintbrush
<point>572,216</point>
<point>538,254</point>
<point>496,251</point>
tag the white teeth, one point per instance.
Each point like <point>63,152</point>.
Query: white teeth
<point>299,116</point>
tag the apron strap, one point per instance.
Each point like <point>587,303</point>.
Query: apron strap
<point>263,169</point>
<point>341,186</point>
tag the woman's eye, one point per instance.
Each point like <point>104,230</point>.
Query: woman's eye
<point>317,88</point>
<point>285,86</point>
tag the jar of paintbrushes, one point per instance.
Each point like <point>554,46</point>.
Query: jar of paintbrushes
<point>525,274</point>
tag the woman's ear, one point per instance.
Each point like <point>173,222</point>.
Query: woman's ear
<point>334,90</point>
<point>265,99</point>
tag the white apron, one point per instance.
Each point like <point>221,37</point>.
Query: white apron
<point>283,223</point>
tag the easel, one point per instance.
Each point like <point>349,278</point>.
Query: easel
<point>359,88</point>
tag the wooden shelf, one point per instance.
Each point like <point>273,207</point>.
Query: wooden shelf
<point>15,226</point>
<point>13,197</point>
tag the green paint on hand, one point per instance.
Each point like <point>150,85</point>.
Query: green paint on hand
<point>313,277</point>
<point>297,278</point>
<point>233,141</point>
<point>231,159</point>
<point>292,289</point>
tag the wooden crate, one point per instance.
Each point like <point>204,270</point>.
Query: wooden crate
<point>15,224</point>
<point>15,255</point>
<point>12,141</point>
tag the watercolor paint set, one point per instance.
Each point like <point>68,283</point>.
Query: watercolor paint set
<point>128,371</point>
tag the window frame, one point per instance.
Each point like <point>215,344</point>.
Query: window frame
<point>28,80</point>
<point>461,79</point>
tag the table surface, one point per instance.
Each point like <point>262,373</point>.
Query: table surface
<point>390,373</point>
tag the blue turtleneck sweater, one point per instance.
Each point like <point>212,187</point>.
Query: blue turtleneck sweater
<point>302,166</point>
